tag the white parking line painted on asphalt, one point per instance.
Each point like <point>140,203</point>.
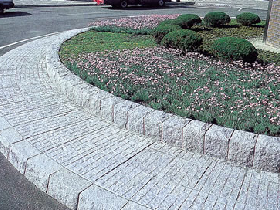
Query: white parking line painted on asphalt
<point>23,40</point>
<point>50,34</point>
<point>12,44</point>
<point>36,37</point>
<point>89,13</point>
<point>8,45</point>
<point>26,40</point>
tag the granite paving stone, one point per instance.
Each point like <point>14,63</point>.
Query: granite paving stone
<point>8,137</point>
<point>267,153</point>
<point>98,198</point>
<point>217,141</point>
<point>153,123</point>
<point>20,152</point>
<point>131,205</point>
<point>135,119</point>
<point>172,130</point>
<point>66,186</point>
<point>39,169</point>
<point>121,112</point>
<point>241,147</point>
<point>4,124</point>
<point>193,136</point>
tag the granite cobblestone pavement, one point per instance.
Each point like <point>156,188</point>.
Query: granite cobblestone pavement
<point>87,163</point>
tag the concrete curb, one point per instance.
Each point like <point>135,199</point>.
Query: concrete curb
<point>246,149</point>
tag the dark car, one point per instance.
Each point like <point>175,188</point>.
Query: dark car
<point>124,3</point>
<point>6,4</point>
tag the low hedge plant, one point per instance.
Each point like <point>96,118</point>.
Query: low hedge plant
<point>186,21</point>
<point>168,22</point>
<point>248,19</point>
<point>184,39</point>
<point>216,19</point>
<point>232,48</point>
<point>161,30</point>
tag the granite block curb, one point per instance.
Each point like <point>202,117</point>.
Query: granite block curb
<point>244,148</point>
<point>98,198</point>
<point>41,170</point>
<point>66,186</point>
<point>52,178</point>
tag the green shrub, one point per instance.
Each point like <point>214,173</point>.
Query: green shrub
<point>184,39</point>
<point>234,49</point>
<point>216,19</point>
<point>248,19</point>
<point>186,21</point>
<point>168,22</point>
<point>161,30</point>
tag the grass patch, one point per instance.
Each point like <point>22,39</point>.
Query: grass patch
<point>116,29</point>
<point>93,41</point>
<point>261,24</point>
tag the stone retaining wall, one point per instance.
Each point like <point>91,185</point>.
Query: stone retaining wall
<point>273,33</point>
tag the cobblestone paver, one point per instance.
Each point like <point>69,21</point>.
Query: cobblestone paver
<point>134,171</point>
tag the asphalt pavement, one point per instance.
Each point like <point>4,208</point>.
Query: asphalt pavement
<point>19,25</point>
<point>17,193</point>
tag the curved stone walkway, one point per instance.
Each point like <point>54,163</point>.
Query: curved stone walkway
<point>87,163</point>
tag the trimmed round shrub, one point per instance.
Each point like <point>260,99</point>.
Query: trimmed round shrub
<point>232,48</point>
<point>184,39</point>
<point>161,30</point>
<point>216,19</point>
<point>248,19</point>
<point>186,21</point>
<point>167,22</point>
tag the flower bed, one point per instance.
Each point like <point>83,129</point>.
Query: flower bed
<point>194,86</point>
<point>137,22</point>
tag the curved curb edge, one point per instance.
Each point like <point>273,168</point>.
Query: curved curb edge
<point>52,178</point>
<point>243,148</point>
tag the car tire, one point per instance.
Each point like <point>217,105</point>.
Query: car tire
<point>161,3</point>
<point>123,4</point>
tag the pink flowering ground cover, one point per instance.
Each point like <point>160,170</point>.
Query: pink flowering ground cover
<point>137,22</point>
<point>195,86</point>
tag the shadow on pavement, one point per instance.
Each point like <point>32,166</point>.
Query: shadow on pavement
<point>151,7</point>
<point>13,14</point>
